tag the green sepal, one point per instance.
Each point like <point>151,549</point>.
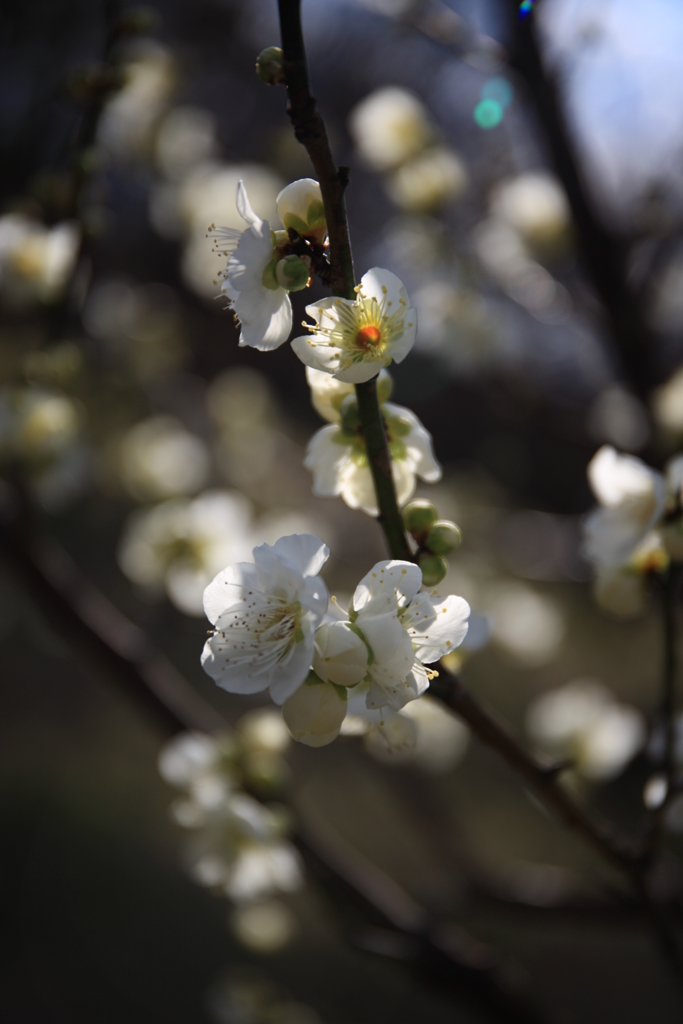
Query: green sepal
<point>359,633</point>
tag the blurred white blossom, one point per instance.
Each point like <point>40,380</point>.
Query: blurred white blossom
<point>428,180</point>
<point>527,624</point>
<point>632,498</point>
<point>181,544</point>
<point>389,126</point>
<point>535,205</point>
<point>159,458</point>
<point>186,137</point>
<point>315,712</point>
<point>354,340</point>
<point>584,722</point>
<point>128,121</point>
<point>36,262</point>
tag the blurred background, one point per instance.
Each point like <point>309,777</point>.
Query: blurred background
<point>519,167</point>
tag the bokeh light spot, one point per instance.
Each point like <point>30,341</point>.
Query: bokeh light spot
<point>488,114</point>
<point>525,8</point>
<point>499,90</point>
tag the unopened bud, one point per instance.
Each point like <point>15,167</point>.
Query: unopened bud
<point>269,66</point>
<point>350,415</point>
<point>300,207</point>
<point>341,655</point>
<point>434,569</point>
<point>292,273</point>
<point>443,537</point>
<point>314,714</point>
<point>418,516</point>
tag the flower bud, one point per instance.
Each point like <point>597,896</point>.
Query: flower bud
<point>269,66</point>
<point>418,516</point>
<point>314,714</point>
<point>300,207</point>
<point>434,569</point>
<point>443,537</point>
<point>350,416</point>
<point>341,655</point>
<point>292,273</point>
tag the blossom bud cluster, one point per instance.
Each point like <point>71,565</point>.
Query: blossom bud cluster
<point>272,630</point>
<point>434,537</point>
<point>636,530</point>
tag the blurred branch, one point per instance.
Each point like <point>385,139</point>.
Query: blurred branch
<point>310,130</point>
<point>603,255</point>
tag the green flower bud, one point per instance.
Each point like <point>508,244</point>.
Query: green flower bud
<point>292,273</point>
<point>443,537</point>
<point>269,66</point>
<point>418,516</point>
<point>350,416</point>
<point>434,569</point>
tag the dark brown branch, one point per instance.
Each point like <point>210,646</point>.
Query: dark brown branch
<point>309,129</point>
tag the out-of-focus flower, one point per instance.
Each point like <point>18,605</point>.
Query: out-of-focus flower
<point>126,127</point>
<point>36,262</point>
<point>40,434</point>
<point>315,712</point>
<point>535,205</point>
<point>186,137</point>
<point>180,545</point>
<point>456,325</point>
<point>266,928</point>
<point>632,498</point>
<point>584,722</point>
<point>328,393</point>
<point>622,589</point>
<point>428,180</point>
<point>264,730</point>
<point>618,416</point>
<point>300,207</point>
<point>389,126</point>
<point>259,301</point>
<point>354,340</point>
<point>528,625</point>
<point>405,629</point>
<point>160,459</point>
<point>667,403</point>
<point>339,463</point>
<point>265,614</point>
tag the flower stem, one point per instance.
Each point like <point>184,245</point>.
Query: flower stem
<point>309,129</point>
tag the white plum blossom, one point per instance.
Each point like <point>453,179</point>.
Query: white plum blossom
<point>354,340</point>
<point>632,498</point>
<point>265,615</point>
<point>341,655</point>
<point>339,463</point>
<point>583,721</point>
<point>260,303</point>
<point>405,629</point>
<point>181,544</point>
<point>300,206</point>
<point>428,180</point>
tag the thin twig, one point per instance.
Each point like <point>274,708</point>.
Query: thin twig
<point>309,129</point>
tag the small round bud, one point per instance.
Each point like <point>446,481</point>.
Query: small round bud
<point>350,416</point>
<point>443,537</point>
<point>314,714</point>
<point>292,273</point>
<point>434,569</point>
<point>418,516</point>
<point>269,66</point>
<point>385,386</point>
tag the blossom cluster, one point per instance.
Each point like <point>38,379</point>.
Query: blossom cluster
<point>636,529</point>
<point>272,631</point>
